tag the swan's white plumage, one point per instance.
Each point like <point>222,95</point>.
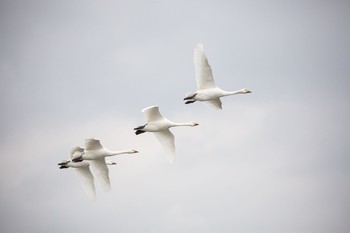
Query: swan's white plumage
<point>83,172</point>
<point>101,172</point>
<point>95,153</point>
<point>152,113</point>
<point>204,74</point>
<point>159,125</point>
<point>207,91</point>
<point>215,103</point>
<point>93,144</point>
<point>87,181</point>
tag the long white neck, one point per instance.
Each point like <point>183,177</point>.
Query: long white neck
<point>111,153</point>
<point>227,93</point>
<point>182,124</point>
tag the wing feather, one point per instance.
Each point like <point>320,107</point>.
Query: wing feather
<point>100,170</point>
<point>204,74</point>
<point>167,139</point>
<point>152,113</point>
<point>92,144</point>
<point>214,103</point>
<point>87,181</point>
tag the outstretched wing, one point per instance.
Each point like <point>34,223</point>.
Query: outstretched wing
<point>92,144</point>
<point>152,113</point>
<point>214,103</point>
<point>76,152</point>
<point>204,74</point>
<point>87,181</point>
<point>167,139</point>
<point>101,173</point>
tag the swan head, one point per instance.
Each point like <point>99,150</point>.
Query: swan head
<point>194,123</point>
<point>245,91</point>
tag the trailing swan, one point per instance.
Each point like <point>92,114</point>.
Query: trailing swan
<point>83,171</point>
<point>95,153</point>
<point>207,91</point>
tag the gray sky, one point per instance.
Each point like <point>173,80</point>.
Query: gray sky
<point>274,161</point>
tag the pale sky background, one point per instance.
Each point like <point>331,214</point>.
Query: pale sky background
<point>274,161</point>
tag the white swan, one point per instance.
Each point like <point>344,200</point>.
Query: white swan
<point>159,125</point>
<point>83,170</point>
<point>207,91</point>
<point>96,154</point>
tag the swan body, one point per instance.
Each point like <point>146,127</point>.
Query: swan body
<point>95,153</point>
<point>159,125</point>
<point>207,91</point>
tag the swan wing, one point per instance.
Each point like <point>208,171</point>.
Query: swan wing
<point>167,139</point>
<point>204,74</point>
<point>76,152</point>
<point>152,113</point>
<point>214,103</point>
<point>87,181</point>
<point>101,173</point>
<point>92,144</point>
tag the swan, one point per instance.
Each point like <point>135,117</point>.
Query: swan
<point>95,153</point>
<point>207,91</point>
<point>159,125</point>
<point>83,170</point>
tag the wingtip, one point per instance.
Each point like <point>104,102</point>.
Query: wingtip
<point>149,107</point>
<point>200,46</point>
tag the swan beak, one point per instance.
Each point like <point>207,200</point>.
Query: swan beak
<point>249,91</point>
<point>134,151</point>
<point>195,124</point>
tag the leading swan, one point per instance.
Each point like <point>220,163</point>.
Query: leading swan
<point>207,91</point>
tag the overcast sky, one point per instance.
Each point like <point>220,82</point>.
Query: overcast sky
<point>273,161</point>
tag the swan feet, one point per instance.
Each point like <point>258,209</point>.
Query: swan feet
<point>139,129</point>
<point>190,102</point>
<point>137,132</point>
<point>78,159</point>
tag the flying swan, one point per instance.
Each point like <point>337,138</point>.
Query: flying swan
<point>159,125</point>
<point>83,170</point>
<point>95,153</point>
<point>207,91</point>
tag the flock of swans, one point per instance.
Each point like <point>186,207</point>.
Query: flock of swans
<point>94,154</point>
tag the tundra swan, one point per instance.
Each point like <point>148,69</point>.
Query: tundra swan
<point>95,153</point>
<point>159,125</point>
<point>207,91</point>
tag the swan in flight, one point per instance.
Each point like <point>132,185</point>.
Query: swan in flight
<point>159,125</point>
<point>83,170</point>
<point>207,91</point>
<point>95,153</point>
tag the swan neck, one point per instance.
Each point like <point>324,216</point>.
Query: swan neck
<point>112,153</point>
<point>227,93</point>
<point>183,124</point>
